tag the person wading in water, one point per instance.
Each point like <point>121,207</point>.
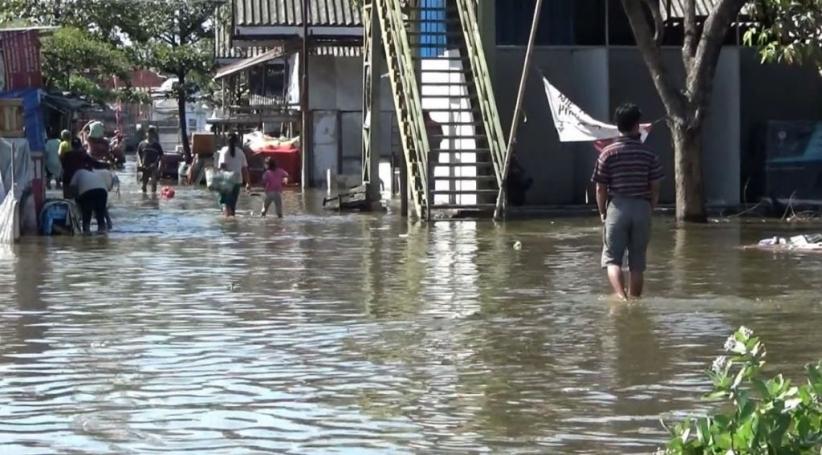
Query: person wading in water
<point>627,176</point>
<point>149,157</point>
<point>232,159</point>
<point>73,159</point>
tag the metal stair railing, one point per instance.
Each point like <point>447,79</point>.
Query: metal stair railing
<point>407,100</point>
<point>482,80</point>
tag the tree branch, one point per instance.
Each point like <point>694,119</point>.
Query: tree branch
<point>659,24</point>
<point>699,83</point>
<point>673,100</point>
<point>691,35</point>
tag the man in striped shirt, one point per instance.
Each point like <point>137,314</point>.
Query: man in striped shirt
<point>627,177</point>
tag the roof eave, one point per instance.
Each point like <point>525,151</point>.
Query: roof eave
<point>266,32</point>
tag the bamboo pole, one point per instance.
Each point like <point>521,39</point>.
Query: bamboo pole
<point>512,137</point>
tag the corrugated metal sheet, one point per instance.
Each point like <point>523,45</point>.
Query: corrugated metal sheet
<point>226,52</point>
<point>703,8</point>
<point>328,13</point>
<point>245,64</point>
<point>223,48</point>
<point>337,51</point>
<point>678,7</point>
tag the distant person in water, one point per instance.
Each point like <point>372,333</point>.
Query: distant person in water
<point>72,159</point>
<point>112,182</point>
<point>627,176</point>
<point>273,180</point>
<point>149,158</point>
<point>435,133</point>
<point>232,159</point>
<point>91,194</point>
<point>65,143</point>
<point>54,170</point>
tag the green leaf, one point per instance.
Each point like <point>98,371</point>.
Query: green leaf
<point>747,410</point>
<point>716,395</point>
<point>703,431</point>
<point>723,441</point>
<point>769,416</point>
<point>722,422</point>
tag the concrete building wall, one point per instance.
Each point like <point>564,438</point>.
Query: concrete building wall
<point>336,106</point>
<point>546,161</point>
<point>722,153</point>
<point>630,82</point>
<point>598,80</point>
<point>591,74</point>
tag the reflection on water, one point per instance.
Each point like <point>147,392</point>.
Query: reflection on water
<point>181,332</point>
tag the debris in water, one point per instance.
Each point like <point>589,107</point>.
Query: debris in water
<point>517,245</point>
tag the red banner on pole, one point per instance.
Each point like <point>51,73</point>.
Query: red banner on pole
<point>20,60</point>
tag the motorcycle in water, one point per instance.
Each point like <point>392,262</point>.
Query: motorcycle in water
<point>100,150</point>
<point>117,152</point>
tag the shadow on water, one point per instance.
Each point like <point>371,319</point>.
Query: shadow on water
<point>182,332</point>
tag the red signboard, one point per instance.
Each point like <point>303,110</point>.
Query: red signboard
<point>20,60</point>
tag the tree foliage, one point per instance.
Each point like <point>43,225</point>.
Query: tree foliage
<point>104,38</point>
<point>787,31</point>
<point>686,108</point>
<point>762,416</point>
<point>178,42</point>
<point>75,61</point>
<point>109,20</point>
<point>89,47</point>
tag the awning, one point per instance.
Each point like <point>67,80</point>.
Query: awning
<point>250,62</point>
<point>322,13</point>
<point>65,104</point>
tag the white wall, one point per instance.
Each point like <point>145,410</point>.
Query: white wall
<point>336,92</point>
<point>722,153</point>
<point>598,80</point>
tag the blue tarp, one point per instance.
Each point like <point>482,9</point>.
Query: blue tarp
<point>32,116</point>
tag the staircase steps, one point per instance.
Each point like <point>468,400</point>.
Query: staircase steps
<point>441,91</point>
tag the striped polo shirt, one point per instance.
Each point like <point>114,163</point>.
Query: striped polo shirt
<point>627,167</point>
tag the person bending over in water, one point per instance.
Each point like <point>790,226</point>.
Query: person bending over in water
<point>273,181</point>
<point>91,195</point>
<point>627,176</point>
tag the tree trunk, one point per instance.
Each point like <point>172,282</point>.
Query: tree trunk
<point>690,188</point>
<point>181,111</point>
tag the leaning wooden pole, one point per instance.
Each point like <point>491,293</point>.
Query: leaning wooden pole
<point>305,130</point>
<point>512,137</point>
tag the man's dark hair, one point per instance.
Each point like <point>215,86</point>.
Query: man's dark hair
<point>627,117</point>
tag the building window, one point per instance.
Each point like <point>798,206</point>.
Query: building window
<point>562,22</point>
<point>619,29</point>
<point>433,29</point>
<point>267,80</point>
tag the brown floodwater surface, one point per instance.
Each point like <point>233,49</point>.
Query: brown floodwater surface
<point>184,333</point>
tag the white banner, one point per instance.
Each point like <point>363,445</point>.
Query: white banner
<point>574,125</point>
<point>292,95</point>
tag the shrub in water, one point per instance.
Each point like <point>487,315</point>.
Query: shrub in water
<point>760,416</point>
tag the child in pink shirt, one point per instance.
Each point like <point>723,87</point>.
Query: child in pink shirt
<point>273,181</point>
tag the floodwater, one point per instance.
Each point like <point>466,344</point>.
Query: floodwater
<point>181,332</point>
